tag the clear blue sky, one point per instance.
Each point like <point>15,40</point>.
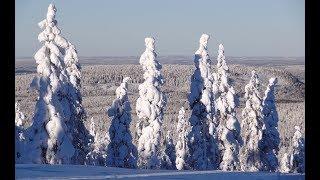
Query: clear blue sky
<point>118,27</point>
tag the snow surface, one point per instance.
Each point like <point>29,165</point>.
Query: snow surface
<point>36,171</point>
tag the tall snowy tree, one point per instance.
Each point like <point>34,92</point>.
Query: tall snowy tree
<point>228,129</point>
<point>170,148</point>
<point>48,138</point>
<point>73,109</point>
<point>297,158</point>
<point>19,118</point>
<point>20,138</point>
<point>149,107</point>
<point>294,160</point>
<point>251,126</point>
<point>97,155</point>
<point>121,152</point>
<point>285,163</point>
<point>270,138</point>
<point>202,138</point>
<point>168,152</point>
<point>181,145</point>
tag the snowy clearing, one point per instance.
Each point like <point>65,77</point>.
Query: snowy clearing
<point>36,171</point>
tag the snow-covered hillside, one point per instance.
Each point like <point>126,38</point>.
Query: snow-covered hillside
<point>37,171</point>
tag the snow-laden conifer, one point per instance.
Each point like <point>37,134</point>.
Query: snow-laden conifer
<point>270,138</point>
<point>170,148</point>
<point>294,160</point>
<point>20,139</point>
<point>73,109</point>
<point>48,135</point>
<point>97,154</point>
<point>251,126</point>
<point>149,107</point>
<point>121,152</point>
<point>168,152</point>
<point>228,129</point>
<point>202,138</point>
<point>285,163</point>
<point>297,157</point>
<point>181,145</point>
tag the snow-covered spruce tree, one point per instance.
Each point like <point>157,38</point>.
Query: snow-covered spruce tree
<point>269,145</point>
<point>19,135</point>
<point>168,153</point>
<point>181,147</point>
<point>285,163</point>
<point>170,148</point>
<point>121,152</point>
<point>293,161</point>
<point>149,107</point>
<point>48,138</point>
<point>228,129</point>
<point>251,127</point>
<point>297,159</point>
<point>97,155</point>
<point>202,137</point>
<point>73,109</point>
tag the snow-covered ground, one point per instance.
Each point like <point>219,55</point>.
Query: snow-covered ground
<point>34,171</point>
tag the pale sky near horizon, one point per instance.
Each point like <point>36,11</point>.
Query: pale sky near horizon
<point>118,28</point>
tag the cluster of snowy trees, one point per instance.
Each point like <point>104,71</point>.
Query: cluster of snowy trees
<point>211,138</point>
